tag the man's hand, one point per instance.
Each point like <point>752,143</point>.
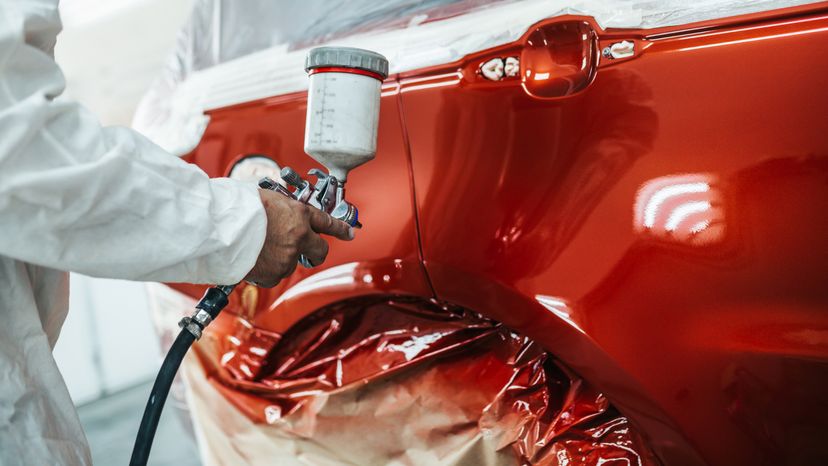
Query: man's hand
<point>292,229</point>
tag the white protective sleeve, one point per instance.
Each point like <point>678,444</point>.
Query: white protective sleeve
<point>105,202</point>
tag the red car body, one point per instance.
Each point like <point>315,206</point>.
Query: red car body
<point>657,222</point>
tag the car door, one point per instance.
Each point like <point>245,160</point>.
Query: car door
<point>649,205</point>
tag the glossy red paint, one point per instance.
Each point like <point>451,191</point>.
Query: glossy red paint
<point>559,58</point>
<point>384,258</point>
<point>548,189</point>
<point>534,212</point>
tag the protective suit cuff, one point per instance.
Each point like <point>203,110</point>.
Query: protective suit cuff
<point>246,217</point>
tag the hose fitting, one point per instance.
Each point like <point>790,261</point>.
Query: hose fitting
<point>214,300</point>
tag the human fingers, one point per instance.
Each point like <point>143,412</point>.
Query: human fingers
<point>325,224</point>
<point>315,249</point>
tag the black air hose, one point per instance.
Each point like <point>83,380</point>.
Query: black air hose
<point>214,300</point>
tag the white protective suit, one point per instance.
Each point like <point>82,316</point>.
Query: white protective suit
<point>105,202</point>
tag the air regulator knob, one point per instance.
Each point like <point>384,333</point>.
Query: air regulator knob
<point>291,177</point>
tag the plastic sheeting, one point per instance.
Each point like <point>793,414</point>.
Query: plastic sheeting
<point>220,31</point>
<point>233,52</point>
<point>378,381</point>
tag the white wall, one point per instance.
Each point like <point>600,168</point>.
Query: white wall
<point>108,342</point>
<point>110,52</point>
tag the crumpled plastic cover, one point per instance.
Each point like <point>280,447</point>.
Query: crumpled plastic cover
<point>393,381</point>
<point>234,52</point>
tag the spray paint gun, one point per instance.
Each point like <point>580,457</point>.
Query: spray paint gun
<point>327,195</point>
<point>340,128</point>
<point>341,134</point>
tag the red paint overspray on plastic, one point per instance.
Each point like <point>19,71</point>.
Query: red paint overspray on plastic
<point>403,358</point>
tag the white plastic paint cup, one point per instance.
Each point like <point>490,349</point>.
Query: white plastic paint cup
<point>343,107</point>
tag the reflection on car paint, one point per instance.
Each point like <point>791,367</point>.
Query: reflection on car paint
<point>683,208</point>
<point>560,308</point>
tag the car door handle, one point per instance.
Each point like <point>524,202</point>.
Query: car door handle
<point>559,58</point>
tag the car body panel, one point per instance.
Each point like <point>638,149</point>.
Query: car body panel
<point>706,331</point>
<point>661,230</point>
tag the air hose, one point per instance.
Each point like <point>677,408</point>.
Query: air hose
<point>214,300</point>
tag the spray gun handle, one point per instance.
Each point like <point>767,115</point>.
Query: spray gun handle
<point>267,183</point>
